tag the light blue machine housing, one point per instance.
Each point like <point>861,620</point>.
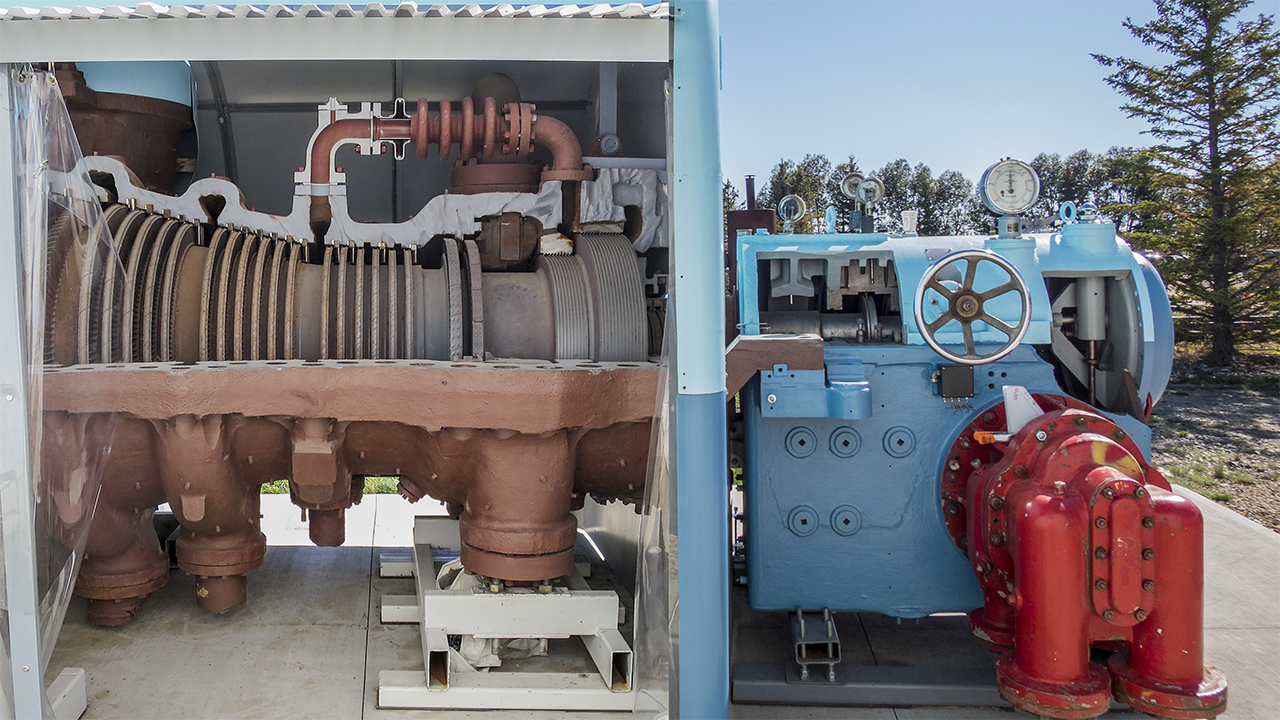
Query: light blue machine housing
<point>842,468</point>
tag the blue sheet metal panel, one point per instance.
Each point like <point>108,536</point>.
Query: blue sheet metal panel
<point>701,683</point>
<point>846,514</point>
<point>703,514</point>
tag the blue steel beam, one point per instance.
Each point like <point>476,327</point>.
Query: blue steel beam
<point>702,501</point>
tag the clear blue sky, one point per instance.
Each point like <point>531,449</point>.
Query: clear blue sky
<point>953,84</point>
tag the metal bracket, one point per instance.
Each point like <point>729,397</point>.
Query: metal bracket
<point>816,642</point>
<point>577,611</point>
<point>841,392</point>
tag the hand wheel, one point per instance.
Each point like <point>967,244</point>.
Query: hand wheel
<point>966,305</point>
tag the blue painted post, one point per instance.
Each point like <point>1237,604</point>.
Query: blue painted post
<point>701,682</point>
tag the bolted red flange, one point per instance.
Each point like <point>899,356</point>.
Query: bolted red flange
<point>1077,543</point>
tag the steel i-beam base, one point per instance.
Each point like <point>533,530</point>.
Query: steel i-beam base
<point>575,611</point>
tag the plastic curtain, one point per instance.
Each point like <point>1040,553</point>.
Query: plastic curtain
<point>60,226</point>
<point>655,581</point>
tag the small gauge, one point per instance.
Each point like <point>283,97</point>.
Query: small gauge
<point>790,209</point>
<point>849,185</point>
<point>871,191</point>
<point>1010,187</point>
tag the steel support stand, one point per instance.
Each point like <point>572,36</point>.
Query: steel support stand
<point>576,611</point>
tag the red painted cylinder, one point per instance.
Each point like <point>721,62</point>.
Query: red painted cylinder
<point>1169,646</point>
<point>1051,638</point>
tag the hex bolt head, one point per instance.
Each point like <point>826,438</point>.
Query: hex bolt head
<point>1100,523</point>
<point>545,587</point>
<point>1099,553</point>
<point>1139,492</point>
<point>953,465</point>
<point>1042,435</point>
<point>988,417</point>
<point>1100,584</point>
<point>1108,493</point>
<point>1108,614</point>
<point>1148,553</point>
<point>997,538</point>
<point>996,502</point>
<point>1148,585</point>
<point>1140,614</point>
<point>1148,522</point>
<point>965,443</point>
<point>1020,470</point>
<point>952,509</point>
<point>496,586</point>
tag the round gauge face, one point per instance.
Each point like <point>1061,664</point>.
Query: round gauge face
<point>871,191</point>
<point>849,185</point>
<point>790,208</point>
<point>1010,187</point>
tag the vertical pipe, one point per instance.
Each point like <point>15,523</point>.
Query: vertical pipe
<point>1051,635</point>
<point>751,192</point>
<point>1169,646</point>
<point>17,499</point>
<point>701,686</point>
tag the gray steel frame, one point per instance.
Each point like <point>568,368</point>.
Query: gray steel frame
<point>867,685</point>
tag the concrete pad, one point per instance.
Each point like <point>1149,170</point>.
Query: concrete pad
<point>1241,568</point>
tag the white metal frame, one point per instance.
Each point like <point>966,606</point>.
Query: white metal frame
<point>578,611</point>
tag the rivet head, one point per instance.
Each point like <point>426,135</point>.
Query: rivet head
<point>996,502</point>
<point>1042,435</point>
<point>1100,553</point>
<point>952,509</point>
<point>1140,614</point>
<point>1108,493</point>
<point>1148,553</point>
<point>997,538</point>
<point>1148,522</point>
<point>1118,434</point>
<point>1148,585</point>
<point>772,399</point>
<point>1079,422</point>
<point>1020,470</point>
<point>1100,523</point>
<point>1100,584</point>
<point>1108,615</point>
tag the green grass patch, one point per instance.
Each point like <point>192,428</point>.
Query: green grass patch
<point>373,485</point>
<point>1220,496</point>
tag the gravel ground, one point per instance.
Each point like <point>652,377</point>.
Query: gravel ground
<point>1217,431</point>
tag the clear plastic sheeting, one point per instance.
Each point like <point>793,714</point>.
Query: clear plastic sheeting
<point>58,215</point>
<point>655,573</point>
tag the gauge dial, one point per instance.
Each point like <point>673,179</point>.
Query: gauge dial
<point>871,191</point>
<point>1010,187</point>
<point>849,184</point>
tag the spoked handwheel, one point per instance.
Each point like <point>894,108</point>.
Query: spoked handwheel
<point>967,305</point>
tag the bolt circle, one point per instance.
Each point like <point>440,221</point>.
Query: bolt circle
<point>997,538</point>
<point>1139,492</point>
<point>1100,523</point>
<point>1108,615</point>
<point>1148,553</point>
<point>801,442</point>
<point>1148,585</point>
<point>1100,584</point>
<point>846,520</point>
<point>996,502</point>
<point>1042,435</point>
<point>1020,470</point>
<point>845,442</point>
<point>1148,522</point>
<point>1100,553</point>
<point>803,521</point>
<point>899,441</point>
<point>1108,493</point>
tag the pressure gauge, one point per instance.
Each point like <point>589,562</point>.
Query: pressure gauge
<point>1010,187</point>
<point>790,209</point>
<point>871,191</point>
<point>849,185</point>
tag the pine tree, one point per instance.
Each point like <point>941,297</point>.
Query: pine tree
<point>1214,109</point>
